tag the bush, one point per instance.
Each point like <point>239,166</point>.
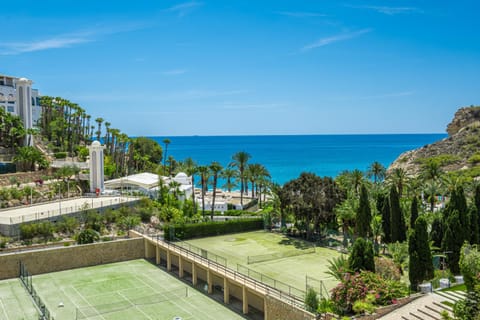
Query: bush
<point>356,288</point>
<point>311,300</point>
<point>60,155</point>
<point>88,236</point>
<point>210,228</point>
<point>387,269</point>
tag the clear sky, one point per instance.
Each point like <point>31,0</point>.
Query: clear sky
<point>250,67</point>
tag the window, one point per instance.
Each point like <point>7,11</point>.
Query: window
<point>11,108</point>
<point>2,97</point>
<point>33,101</point>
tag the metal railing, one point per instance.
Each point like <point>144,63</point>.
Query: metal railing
<point>234,275</point>
<point>62,210</point>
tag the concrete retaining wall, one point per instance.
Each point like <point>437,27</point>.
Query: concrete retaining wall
<point>65,258</point>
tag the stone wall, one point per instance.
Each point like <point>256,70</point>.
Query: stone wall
<point>277,309</point>
<point>65,258</point>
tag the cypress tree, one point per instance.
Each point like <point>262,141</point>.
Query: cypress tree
<point>458,203</point>
<point>414,272</point>
<point>477,205</point>
<point>452,241</point>
<point>474,230</point>
<point>383,207</point>
<point>420,264</point>
<point>436,234</point>
<point>361,257</point>
<point>397,221</point>
<point>413,212</point>
<point>364,215</point>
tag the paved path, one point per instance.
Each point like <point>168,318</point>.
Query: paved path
<point>57,208</point>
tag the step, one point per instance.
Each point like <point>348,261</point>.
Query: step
<point>447,296</point>
<point>416,316</point>
<point>459,294</point>
<point>405,318</point>
<point>428,313</point>
<point>437,311</point>
<point>443,306</point>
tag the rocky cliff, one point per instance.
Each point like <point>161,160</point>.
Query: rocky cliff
<point>459,151</point>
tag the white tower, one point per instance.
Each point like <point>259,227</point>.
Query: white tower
<point>24,106</point>
<point>96,167</point>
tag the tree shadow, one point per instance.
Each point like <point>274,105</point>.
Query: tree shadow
<point>298,244</point>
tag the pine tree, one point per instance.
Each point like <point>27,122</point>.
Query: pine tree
<point>413,212</point>
<point>364,215</point>
<point>452,240</point>
<point>361,257</point>
<point>383,206</point>
<point>397,221</point>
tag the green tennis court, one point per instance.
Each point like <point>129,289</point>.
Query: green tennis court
<point>15,303</point>
<point>126,290</point>
<point>292,260</point>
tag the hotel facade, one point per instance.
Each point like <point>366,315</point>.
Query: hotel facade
<point>19,98</point>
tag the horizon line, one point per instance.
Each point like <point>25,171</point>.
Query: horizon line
<point>294,134</point>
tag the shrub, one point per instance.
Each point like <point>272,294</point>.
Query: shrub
<point>210,228</point>
<point>387,269</point>
<point>88,236</point>
<point>311,300</point>
<point>60,155</point>
<point>356,288</point>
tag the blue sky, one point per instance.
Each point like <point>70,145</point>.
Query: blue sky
<point>251,67</point>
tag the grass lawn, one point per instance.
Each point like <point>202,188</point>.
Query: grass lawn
<point>460,287</point>
<point>291,270</point>
<point>126,290</point>
<point>15,302</point>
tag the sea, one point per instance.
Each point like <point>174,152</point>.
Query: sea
<point>287,156</point>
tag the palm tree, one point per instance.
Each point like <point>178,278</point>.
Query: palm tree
<point>203,171</point>
<point>99,131</point>
<point>166,141</point>
<point>398,177</point>
<point>377,171</point>
<point>215,169</point>
<point>107,135</point>
<point>229,175</point>
<point>431,170</point>
<point>191,169</point>
<point>240,160</point>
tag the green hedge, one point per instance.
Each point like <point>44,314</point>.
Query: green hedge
<point>215,228</point>
<point>60,155</point>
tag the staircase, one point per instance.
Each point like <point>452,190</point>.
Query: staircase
<point>434,309</point>
<point>428,307</point>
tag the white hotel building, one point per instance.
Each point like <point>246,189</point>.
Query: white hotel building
<point>17,97</point>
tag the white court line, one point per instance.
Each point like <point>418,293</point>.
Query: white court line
<point>171,301</point>
<point>4,310</point>
<point>81,296</point>
<point>134,305</point>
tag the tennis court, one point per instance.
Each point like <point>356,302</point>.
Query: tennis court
<point>15,303</point>
<point>126,290</point>
<point>291,260</point>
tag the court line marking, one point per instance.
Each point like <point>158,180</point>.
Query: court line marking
<point>171,301</point>
<point>134,305</point>
<point>4,310</point>
<point>84,299</point>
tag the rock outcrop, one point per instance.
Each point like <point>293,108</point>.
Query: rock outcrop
<point>459,151</point>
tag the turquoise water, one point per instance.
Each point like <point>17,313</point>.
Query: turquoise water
<point>287,156</point>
